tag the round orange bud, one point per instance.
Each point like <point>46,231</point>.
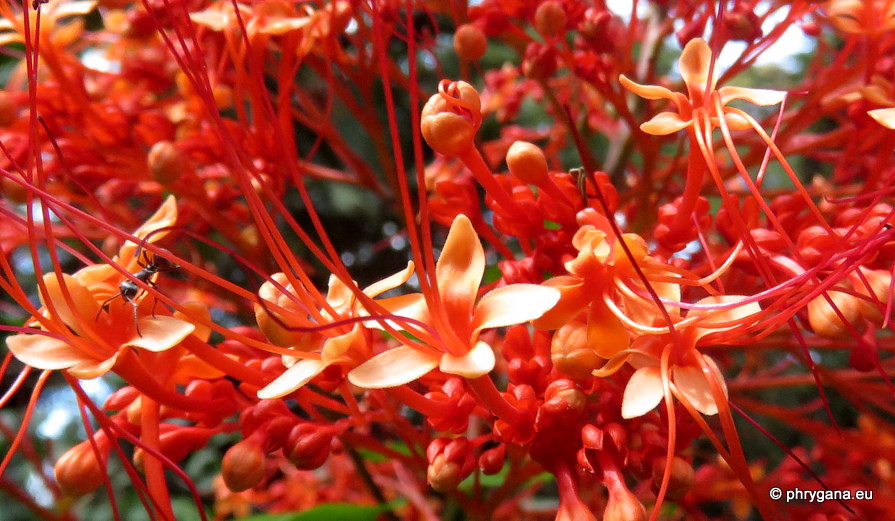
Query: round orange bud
<point>470,43</point>
<point>270,326</point>
<point>879,282</point>
<point>571,353</point>
<point>825,321</point>
<point>550,19</point>
<point>78,471</point>
<point>681,480</point>
<point>243,466</point>
<point>451,118</point>
<point>165,162</point>
<point>527,163</point>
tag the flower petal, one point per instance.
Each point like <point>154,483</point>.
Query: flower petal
<point>693,384</point>
<point>574,296</point>
<point>85,306</point>
<point>392,368</point>
<point>694,67</point>
<point>459,270</point>
<point>44,352</point>
<point>410,306</point>
<point>652,92</point>
<point>739,314</point>
<point>761,97</point>
<point>296,376</point>
<point>90,369</point>
<point>164,217</point>
<point>643,392</point>
<point>513,304</point>
<point>479,361</point>
<point>390,282</point>
<point>160,333</point>
<point>885,117</point>
<point>665,123</point>
<point>605,333</point>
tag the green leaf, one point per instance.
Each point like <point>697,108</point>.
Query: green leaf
<point>328,512</point>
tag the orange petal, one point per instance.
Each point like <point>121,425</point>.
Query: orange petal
<point>605,332</point>
<point>693,385</point>
<point>652,92</point>
<point>296,376</point>
<point>160,333</point>
<point>200,311</point>
<point>412,306</point>
<point>739,314</point>
<point>392,368</point>
<point>643,392</point>
<point>335,347</point>
<point>513,304</point>
<point>459,270</point>
<point>694,67</point>
<point>90,369</point>
<point>164,217</point>
<point>665,123</point>
<point>574,297</point>
<point>479,361</point>
<point>43,352</point>
<point>390,282</point>
<point>885,117</point>
<point>85,306</point>
<point>339,296</point>
<point>762,97</point>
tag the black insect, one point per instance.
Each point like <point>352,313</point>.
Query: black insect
<point>151,263</point>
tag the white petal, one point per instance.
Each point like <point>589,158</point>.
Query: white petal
<point>643,392</point>
<point>479,361</point>
<point>160,333</point>
<point>392,368</point>
<point>296,376</point>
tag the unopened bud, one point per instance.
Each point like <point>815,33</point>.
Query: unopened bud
<point>78,471</point>
<point>571,353</point>
<point>243,466</point>
<point>879,282</point>
<point>470,43</point>
<point>825,321</point>
<point>451,118</point>
<point>450,462</point>
<point>680,481</point>
<point>550,19</point>
<point>527,163</point>
<point>308,445</point>
<point>269,321</point>
<point>165,162</point>
<point>492,460</point>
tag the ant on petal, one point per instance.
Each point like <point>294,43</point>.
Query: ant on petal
<point>128,289</point>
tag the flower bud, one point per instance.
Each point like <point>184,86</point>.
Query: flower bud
<point>451,118</point>
<point>470,43</point>
<point>570,352</point>
<point>527,163</point>
<point>243,466</point>
<point>492,460</point>
<point>681,479</point>
<point>165,162</point>
<point>879,282</point>
<point>78,471</point>
<point>308,445</point>
<point>550,19</point>
<point>269,321</point>
<point>825,321</point>
<point>450,462</point>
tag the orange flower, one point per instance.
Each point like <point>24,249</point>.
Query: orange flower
<point>692,374</point>
<point>82,339</point>
<point>456,317</point>
<point>695,69</point>
<point>335,349</point>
